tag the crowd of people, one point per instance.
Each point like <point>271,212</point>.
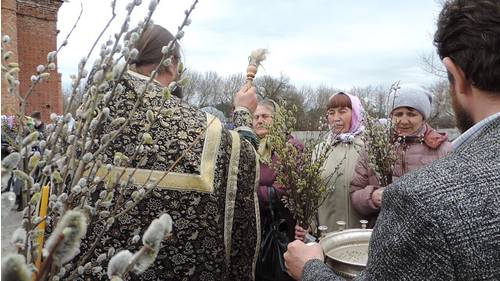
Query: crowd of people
<point>357,192</point>
<point>438,220</point>
<point>9,125</point>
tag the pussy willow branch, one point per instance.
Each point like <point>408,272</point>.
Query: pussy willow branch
<point>115,134</point>
<point>146,194</point>
<point>80,76</point>
<point>108,59</point>
<point>129,179</point>
<point>46,264</point>
<point>134,260</point>
<point>52,142</point>
<point>80,165</point>
<point>198,137</point>
<point>151,78</point>
<point>131,159</point>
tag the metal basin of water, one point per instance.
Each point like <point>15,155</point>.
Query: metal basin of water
<point>346,252</point>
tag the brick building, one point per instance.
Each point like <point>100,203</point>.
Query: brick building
<point>31,24</point>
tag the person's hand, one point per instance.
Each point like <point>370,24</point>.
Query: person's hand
<point>300,233</point>
<point>377,196</point>
<point>246,97</point>
<point>298,254</point>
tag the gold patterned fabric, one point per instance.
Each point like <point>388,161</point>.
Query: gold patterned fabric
<point>210,194</point>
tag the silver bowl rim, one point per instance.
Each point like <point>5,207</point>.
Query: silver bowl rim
<point>342,233</point>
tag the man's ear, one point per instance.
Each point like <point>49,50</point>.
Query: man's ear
<point>460,83</point>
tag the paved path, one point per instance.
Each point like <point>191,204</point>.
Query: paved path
<point>11,220</point>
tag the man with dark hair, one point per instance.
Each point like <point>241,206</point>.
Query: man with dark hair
<point>442,222</point>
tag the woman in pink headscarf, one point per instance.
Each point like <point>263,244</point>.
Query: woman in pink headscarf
<point>344,116</point>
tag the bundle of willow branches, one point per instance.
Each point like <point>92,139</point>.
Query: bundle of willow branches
<point>59,170</point>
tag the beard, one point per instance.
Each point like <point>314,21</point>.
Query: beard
<point>462,118</point>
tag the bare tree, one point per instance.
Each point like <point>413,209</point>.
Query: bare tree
<point>431,64</point>
<point>269,87</point>
<point>374,99</point>
<point>316,99</point>
<point>309,95</point>
<point>315,102</point>
<point>230,85</point>
<point>442,112</point>
<point>77,100</point>
<point>203,89</point>
<point>209,88</point>
<point>189,90</point>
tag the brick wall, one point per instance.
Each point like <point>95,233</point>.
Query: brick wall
<point>36,36</point>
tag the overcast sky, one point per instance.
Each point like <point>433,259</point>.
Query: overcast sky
<point>339,43</point>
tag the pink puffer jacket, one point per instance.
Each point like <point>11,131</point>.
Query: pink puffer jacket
<point>429,146</point>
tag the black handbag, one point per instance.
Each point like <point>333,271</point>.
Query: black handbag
<point>271,263</point>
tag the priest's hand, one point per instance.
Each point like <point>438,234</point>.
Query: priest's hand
<point>246,97</point>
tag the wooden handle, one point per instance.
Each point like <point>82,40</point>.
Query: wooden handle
<point>251,71</point>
